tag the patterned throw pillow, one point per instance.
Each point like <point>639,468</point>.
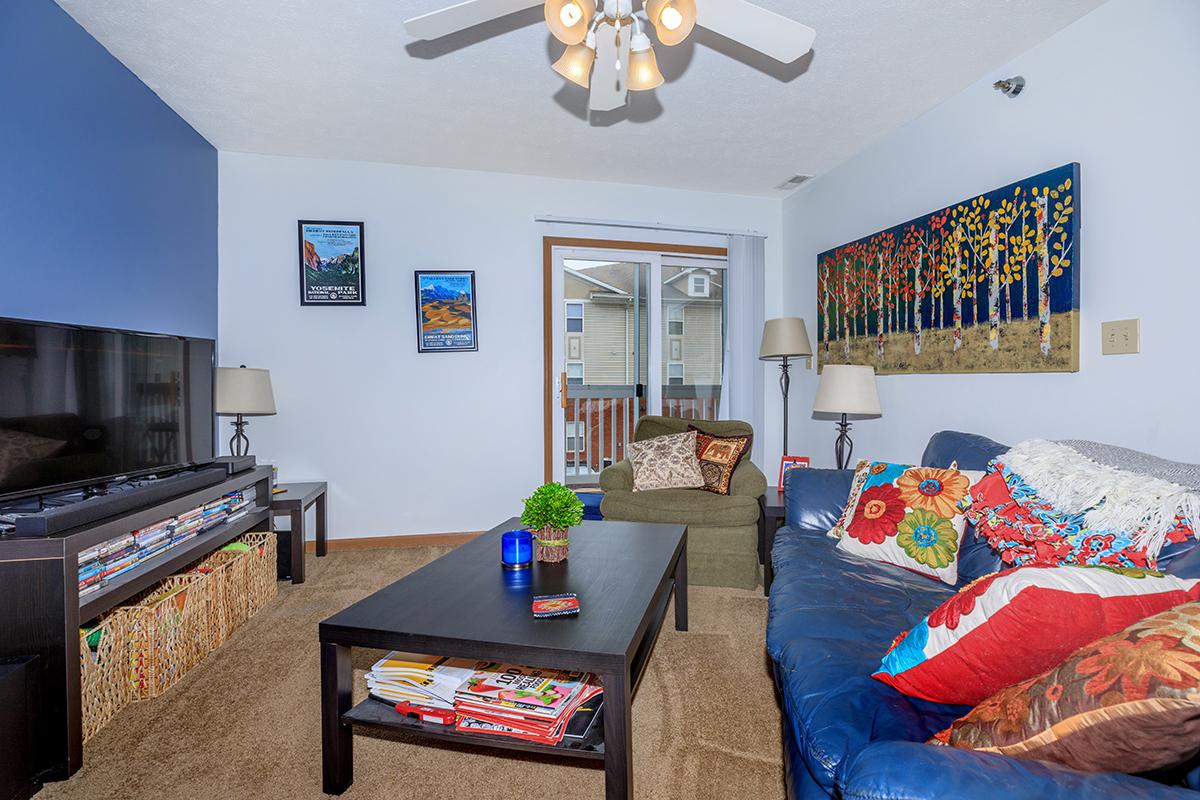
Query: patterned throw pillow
<point>856,487</point>
<point>719,457</point>
<point>1129,702</point>
<point>1012,625</point>
<point>666,462</point>
<point>1025,529</point>
<point>908,516</point>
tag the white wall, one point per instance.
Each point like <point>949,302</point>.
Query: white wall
<point>417,443</point>
<point>1117,92</point>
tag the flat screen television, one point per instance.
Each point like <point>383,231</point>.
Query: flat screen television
<point>81,406</point>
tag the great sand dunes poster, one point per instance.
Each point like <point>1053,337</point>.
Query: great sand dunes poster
<point>990,284</point>
<point>331,264</point>
<point>446,311</point>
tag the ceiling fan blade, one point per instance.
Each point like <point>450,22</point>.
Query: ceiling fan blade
<point>455,18</point>
<point>607,88</point>
<point>775,35</point>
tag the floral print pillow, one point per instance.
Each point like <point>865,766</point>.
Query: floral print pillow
<point>1130,701</point>
<point>908,516</point>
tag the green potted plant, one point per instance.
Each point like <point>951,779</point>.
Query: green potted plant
<point>549,512</point>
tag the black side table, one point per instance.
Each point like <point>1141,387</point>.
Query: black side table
<point>293,501</point>
<point>772,511</point>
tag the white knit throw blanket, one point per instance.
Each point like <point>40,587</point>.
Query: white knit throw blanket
<point>1114,498</point>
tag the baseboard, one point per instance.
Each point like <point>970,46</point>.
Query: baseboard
<point>412,540</point>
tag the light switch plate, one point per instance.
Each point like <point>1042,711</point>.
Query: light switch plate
<point>1120,337</point>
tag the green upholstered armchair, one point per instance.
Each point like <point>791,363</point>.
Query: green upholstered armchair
<point>722,529</point>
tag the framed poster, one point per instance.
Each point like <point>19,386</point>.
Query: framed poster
<point>446,321</point>
<point>331,264</point>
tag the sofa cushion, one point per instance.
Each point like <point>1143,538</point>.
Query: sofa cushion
<point>832,615</point>
<point>815,497</point>
<point>682,506</point>
<point>970,450</point>
<point>1011,626</point>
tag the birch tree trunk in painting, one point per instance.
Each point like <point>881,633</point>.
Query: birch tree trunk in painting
<point>845,311</point>
<point>957,289</point>
<point>1043,282</point>
<point>1024,266</point>
<point>917,306</point>
<point>825,309</point>
<point>993,273</point>
<point>880,311</point>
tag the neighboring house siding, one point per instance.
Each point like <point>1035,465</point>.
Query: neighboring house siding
<point>701,344</point>
<point>604,343</point>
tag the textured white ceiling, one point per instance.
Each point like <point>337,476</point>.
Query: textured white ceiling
<point>342,80</point>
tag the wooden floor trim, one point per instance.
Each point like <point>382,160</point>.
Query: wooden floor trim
<point>409,540</point>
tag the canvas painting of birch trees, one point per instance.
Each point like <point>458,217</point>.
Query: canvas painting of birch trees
<point>990,284</point>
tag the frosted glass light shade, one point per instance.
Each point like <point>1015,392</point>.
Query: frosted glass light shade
<point>576,64</point>
<point>244,391</point>
<point>559,23</point>
<point>786,336</point>
<point>643,69</point>
<point>686,19</point>
<point>847,389</point>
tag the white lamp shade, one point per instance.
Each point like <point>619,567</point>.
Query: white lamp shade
<point>244,391</point>
<point>847,389</point>
<point>786,336</point>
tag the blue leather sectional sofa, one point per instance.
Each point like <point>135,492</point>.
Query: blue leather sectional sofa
<point>833,615</point>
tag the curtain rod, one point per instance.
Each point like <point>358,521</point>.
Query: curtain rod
<point>656,226</point>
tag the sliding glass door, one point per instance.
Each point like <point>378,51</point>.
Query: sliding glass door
<point>615,314</point>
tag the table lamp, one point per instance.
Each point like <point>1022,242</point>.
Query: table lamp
<point>846,392</point>
<point>242,393</point>
<point>784,338</point>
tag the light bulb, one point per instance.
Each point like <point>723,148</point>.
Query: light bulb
<point>670,18</point>
<point>572,13</point>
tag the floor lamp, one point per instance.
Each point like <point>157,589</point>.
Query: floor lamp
<point>784,338</point>
<point>846,392</point>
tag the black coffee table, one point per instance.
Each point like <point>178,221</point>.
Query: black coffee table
<point>465,605</point>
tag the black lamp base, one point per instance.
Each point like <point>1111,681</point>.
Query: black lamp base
<point>843,447</point>
<point>239,444</point>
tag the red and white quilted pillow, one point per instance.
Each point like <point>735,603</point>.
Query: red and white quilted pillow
<point>1010,626</point>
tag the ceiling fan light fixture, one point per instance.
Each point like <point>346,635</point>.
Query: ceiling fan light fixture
<point>673,20</point>
<point>576,64</point>
<point>643,66</point>
<point>569,20</point>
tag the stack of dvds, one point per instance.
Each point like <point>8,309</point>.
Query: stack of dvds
<point>99,564</point>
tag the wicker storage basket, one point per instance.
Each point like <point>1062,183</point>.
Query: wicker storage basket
<point>261,571</point>
<point>168,631</point>
<point>227,587</point>
<point>104,671</point>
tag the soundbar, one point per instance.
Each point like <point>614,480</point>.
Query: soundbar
<point>93,509</point>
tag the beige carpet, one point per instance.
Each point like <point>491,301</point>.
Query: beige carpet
<point>246,721</point>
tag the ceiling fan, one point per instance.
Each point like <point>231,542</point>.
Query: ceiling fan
<point>608,51</point>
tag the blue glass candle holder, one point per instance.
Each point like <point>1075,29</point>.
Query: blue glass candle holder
<point>516,550</point>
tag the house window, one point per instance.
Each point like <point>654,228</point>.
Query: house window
<point>574,317</point>
<point>675,374</point>
<point>575,439</point>
<point>574,373</point>
<point>675,320</point>
<point>698,285</point>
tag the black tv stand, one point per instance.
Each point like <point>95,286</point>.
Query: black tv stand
<point>41,611</point>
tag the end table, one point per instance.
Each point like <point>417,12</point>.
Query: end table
<point>772,512</point>
<point>293,501</point>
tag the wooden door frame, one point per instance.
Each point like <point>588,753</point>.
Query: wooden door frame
<point>548,245</point>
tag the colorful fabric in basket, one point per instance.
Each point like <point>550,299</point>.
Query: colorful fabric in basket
<point>1128,702</point>
<point>1025,529</point>
<point>1010,626</point>
<point>908,516</point>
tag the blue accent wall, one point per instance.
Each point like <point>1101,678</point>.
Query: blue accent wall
<point>108,199</point>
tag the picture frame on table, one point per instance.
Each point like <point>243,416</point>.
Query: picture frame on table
<point>447,321</point>
<point>790,462</point>
<point>332,262</point>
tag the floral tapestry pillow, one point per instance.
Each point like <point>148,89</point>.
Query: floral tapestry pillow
<point>1025,529</point>
<point>1010,626</point>
<point>908,516</point>
<point>1129,702</point>
<point>666,462</point>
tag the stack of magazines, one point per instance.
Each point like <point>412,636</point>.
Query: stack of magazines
<point>99,564</point>
<point>535,705</point>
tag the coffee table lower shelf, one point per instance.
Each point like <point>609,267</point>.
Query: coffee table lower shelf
<point>374,714</point>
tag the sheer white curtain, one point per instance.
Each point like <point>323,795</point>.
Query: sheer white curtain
<point>742,372</point>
